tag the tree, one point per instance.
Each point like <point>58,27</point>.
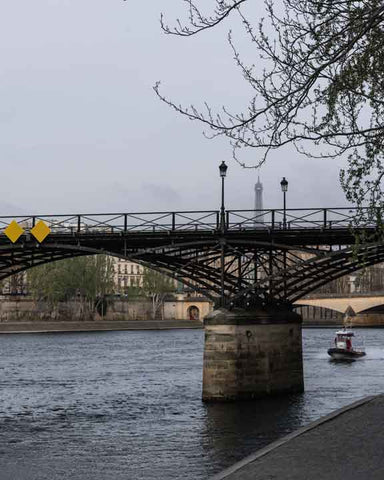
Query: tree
<point>321,89</point>
<point>88,278</point>
<point>157,286</point>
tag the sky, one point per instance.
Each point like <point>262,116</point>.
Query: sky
<point>81,130</point>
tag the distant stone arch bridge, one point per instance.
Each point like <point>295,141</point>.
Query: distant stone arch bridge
<point>242,256</point>
<point>344,303</point>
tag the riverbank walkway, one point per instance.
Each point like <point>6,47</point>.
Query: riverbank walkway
<point>347,444</point>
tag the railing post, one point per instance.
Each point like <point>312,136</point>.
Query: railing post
<point>273,219</point>
<point>125,223</point>
<point>33,221</point>
<point>217,220</point>
<point>227,220</point>
<point>173,221</point>
<point>78,223</point>
<point>325,218</point>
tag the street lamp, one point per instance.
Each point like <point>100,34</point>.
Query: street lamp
<point>284,189</point>
<point>223,172</point>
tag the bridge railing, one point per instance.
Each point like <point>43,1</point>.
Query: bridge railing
<point>301,218</point>
<point>120,222</point>
<point>191,221</point>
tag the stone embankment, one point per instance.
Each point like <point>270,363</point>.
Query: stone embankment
<point>175,307</point>
<point>92,326</point>
<point>347,444</point>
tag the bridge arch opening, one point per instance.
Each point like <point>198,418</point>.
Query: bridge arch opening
<point>311,314</point>
<point>193,312</point>
<point>377,309</point>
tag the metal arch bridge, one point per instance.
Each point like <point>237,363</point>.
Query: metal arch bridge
<point>264,255</point>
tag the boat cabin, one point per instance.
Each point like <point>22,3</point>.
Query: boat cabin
<point>343,339</point>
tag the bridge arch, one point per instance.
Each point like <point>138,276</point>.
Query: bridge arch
<point>318,313</point>
<point>193,312</point>
<point>299,280</point>
<point>340,304</point>
<point>15,259</point>
<point>306,276</point>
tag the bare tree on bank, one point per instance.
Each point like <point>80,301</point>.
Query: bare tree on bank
<point>321,90</point>
<point>156,286</point>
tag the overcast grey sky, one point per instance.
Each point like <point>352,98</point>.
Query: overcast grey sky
<point>82,130</point>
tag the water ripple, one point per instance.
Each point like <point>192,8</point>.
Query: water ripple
<point>127,405</point>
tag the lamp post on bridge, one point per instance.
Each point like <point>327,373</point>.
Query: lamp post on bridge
<point>284,189</point>
<point>223,172</point>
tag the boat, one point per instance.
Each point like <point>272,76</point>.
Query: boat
<point>343,349</point>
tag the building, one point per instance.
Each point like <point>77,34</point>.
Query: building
<point>126,274</point>
<point>15,285</point>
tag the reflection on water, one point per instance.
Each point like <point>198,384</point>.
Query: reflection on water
<point>249,425</point>
<point>127,405</point>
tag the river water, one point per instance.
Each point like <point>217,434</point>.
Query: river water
<point>127,405</point>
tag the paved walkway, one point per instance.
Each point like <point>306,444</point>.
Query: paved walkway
<point>348,444</point>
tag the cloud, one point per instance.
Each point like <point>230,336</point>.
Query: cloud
<point>162,193</point>
<point>12,209</point>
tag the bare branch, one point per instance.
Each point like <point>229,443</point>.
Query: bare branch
<point>199,22</point>
<point>321,89</point>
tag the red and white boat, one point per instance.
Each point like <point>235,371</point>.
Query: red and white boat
<point>343,349</point>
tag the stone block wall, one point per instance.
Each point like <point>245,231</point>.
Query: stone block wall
<point>24,309</point>
<point>249,354</point>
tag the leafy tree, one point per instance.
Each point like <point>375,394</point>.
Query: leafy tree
<point>157,286</point>
<point>88,278</point>
<point>317,81</point>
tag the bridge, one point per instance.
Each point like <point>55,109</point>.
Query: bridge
<point>270,255</point>
<point>254,264</point>
<point>357,309</point>
<point>358,303</point>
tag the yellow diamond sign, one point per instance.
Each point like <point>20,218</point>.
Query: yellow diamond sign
<point>13,231</point>
<point>40,231</point>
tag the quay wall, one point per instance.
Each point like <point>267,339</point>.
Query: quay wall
<point>24,309</point>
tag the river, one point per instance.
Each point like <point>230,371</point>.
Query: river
<point>127,405</point>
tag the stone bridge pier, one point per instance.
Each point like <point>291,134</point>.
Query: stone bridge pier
<point>252,353</point>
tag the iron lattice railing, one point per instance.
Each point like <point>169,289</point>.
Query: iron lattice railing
<point>291,219</point>
<point>235,220</point>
